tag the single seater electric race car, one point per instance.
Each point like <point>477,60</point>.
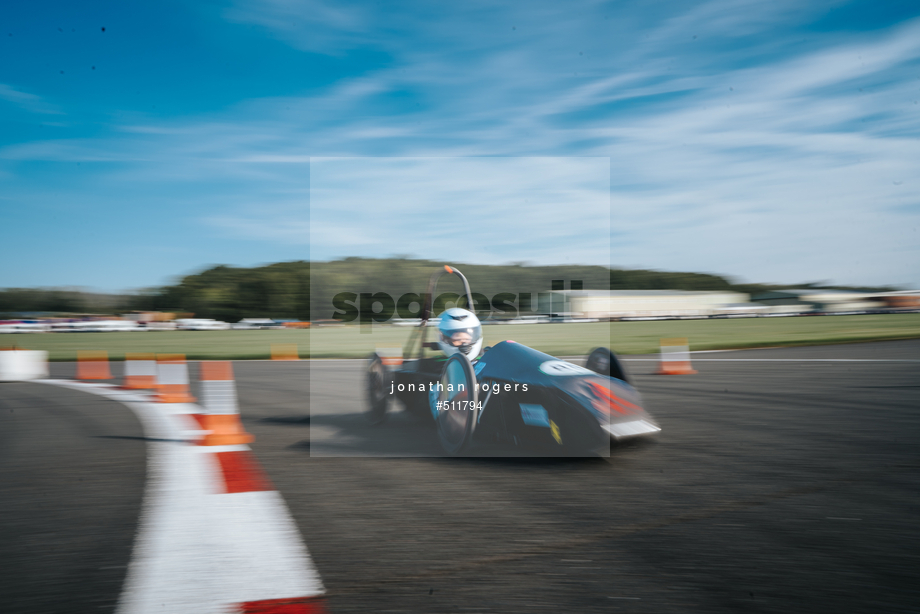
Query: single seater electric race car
<point>508,393</point>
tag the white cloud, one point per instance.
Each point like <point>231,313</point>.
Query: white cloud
<point>265,227</point>
<point>793,174</point>
<point>480,209</point>
<point>27,101</point>
<point>310,25</point>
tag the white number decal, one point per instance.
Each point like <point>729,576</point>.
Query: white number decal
<point>561,367</point>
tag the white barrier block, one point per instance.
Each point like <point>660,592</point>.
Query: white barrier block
<point>20,365</point>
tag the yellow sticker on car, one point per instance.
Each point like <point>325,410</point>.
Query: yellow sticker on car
<point>554,429</point>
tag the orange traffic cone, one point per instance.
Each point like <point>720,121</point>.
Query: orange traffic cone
<point>285,351</point>
<point>172,379</point>
<point>675,358</point>
<point>140,372</point>
<point>93,364</point>
<point>222,413</point>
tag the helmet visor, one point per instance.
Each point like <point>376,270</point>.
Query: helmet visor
<point>462,338</point>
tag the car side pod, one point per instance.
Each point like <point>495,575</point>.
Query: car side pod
<point>675,357</point>
<point>221,417</point>
<point>455,402</point>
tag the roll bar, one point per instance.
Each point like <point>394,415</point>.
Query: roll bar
<point>429,303</point>
<point>432,286</point>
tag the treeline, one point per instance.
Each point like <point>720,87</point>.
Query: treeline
<point>51,300</point>
<point>280,290</point>
<point>303,290</point>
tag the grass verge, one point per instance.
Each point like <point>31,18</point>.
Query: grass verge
<point>556,339</point>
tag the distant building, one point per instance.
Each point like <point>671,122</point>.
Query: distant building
<point>151,316</point>
<point>812,299</point>
<point>639,303</point>
<point>201,324</point>
<point>256,324</point>
<point>899,299</point>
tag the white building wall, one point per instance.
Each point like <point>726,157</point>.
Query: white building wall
<point>619,305</point>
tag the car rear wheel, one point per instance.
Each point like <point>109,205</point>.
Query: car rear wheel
<point>455,407</point>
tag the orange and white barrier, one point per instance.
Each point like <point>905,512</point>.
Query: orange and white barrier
<point>266,571</point>
<point>93,364</point>
<point>675,357</point>
<point>214,536</point>
<point>18,365</point>
<point>285,351</point>
<point>221,412</point>
<point>140,372</point>
<point>172,379</point>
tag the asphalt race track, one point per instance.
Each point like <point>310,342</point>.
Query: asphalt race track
<point>72,470</point>
<point>785,480</point>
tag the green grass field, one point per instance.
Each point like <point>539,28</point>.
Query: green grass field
<point>557,339</point>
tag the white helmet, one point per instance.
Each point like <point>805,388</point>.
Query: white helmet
<point>460,331</point>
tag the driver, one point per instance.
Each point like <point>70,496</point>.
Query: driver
<point>460,331</point>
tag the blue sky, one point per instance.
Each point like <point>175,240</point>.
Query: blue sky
<point>769,141</point>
